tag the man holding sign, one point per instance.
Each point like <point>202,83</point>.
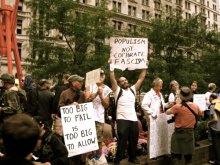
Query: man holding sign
<point>126,118</point>
<point>73,96</point>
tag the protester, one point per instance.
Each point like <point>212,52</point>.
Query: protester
<point>214,127</point>
<point>153,102</point>
<point>45,101</point>
<point>211,89</point>
<point>58,90</point>
<point>182,142</point>
<point>20,135</point>
<point>127,125</point>
<point>31,88</point>
<point>73,96</point>
<point>174,94</point>
<point>194,87</point>
<point>51,149</point>
<point>99,93</point>
<point>9,99</point>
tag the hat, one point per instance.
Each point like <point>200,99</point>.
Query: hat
<point>8,78</point>
<point>75,77</point>
<point>185,93</point>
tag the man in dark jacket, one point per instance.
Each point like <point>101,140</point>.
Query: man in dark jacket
<point>73,96</point>
<point>45,101</point>
<point>58,90</point>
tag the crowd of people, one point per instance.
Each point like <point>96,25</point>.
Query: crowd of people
<point>31,127</point>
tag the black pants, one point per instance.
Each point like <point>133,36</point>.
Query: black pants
<point>216,145</point>
<point>127,133</point>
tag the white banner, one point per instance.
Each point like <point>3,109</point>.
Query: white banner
<point>200,100</point>
<point>129,53</point>
<point>79,128</point>
<point>160,136</point>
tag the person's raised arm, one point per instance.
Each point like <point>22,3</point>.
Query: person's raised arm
<point>140,79</point>
<point>112,76</point>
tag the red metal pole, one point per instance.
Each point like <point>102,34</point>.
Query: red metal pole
<point>8,39</point>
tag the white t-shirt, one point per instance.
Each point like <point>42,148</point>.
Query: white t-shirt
<point>97,105</point>
<point>126,104</point>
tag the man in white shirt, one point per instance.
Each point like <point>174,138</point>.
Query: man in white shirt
<point>153,101</point>
<point>126,118</point>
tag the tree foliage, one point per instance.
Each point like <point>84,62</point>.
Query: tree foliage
<point>77,44</point>
<point>176,50</point>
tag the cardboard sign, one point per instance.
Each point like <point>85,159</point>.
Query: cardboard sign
<point>129,53</point>
<point>200,100</point>
<point>79,128</point>
<point>93,76</point>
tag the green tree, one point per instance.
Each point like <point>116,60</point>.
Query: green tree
<point>77,44</point>
<point>176,45</point>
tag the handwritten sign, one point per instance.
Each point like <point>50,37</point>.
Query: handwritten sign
<point>79,128</point>
<point>129,53</point>
<point>93,76</point>
<point>200,100</point>
<point>160,136</point>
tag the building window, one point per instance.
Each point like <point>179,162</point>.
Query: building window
<point>117,6</point>
<point>157,5</point>
<point>209,25</point>
<point>19,49</point>
<point>187,5</point>
<point>196,9</point>
<point>157,16</point>
<point>19,26</point>
<point>131,10</point>
<point>20,5</point>
<point>179,2</point>
<point>208,14</point>
<point>203,11</point>
<point>132,28</point>
<point>84,1</point>
<point>202,2</point>
<point>145,15</point>
<point>215,17</point>
<point>207,3</point>
<point>214,7</point>
<point>215,26</point>
<point>188,15</point>
<point>145,2</point>
<point>97,3</point>
<point>168,9</point>
<point>117,25</point>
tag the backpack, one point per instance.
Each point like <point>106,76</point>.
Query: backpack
<point>114,102</point>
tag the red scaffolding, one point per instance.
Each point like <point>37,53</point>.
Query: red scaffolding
<point>8,40</point>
